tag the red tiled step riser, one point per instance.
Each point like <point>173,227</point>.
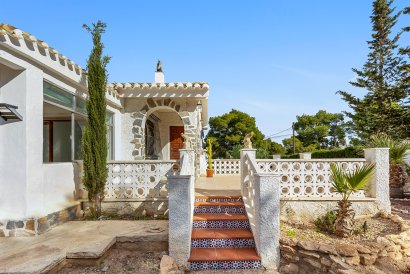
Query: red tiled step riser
<point>215,265</point>
<point>220,209</point>
<point>222,243</point>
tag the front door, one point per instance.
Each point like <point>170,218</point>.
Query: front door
<point>176,142</point>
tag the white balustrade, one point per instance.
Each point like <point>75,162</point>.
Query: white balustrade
<point>226,166</point>
<point>138,180</point>
<point>308,178</point>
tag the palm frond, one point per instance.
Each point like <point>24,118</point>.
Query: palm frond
<point>337,177</point>
<point>358,178</point>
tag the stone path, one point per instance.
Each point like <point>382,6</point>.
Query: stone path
<point>72,240</point>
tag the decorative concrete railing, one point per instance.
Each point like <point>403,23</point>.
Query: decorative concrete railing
<point>139,180</point>
<point>308,178</point>
<point>226,166</point>
<point>261,195</point>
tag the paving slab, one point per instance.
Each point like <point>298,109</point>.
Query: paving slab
<point>76,239</point>
<point>218,185</point>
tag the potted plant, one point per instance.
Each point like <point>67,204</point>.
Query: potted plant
<point>345,183</point>
<point>209,170</point>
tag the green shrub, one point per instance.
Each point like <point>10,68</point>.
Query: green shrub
<point>290,156</point>
<point>348,152</point>
<point>326,223</point>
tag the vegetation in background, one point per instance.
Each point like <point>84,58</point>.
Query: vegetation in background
<point>385,77</point>
<point>229,130</point>
<point>94,140</point>
<point>345,183</point>
<point>348,152</point>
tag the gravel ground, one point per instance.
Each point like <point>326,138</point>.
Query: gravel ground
<point>375,227</point>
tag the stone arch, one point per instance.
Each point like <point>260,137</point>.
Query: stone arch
<point>142,115</point>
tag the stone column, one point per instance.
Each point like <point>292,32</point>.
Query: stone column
<point>379,186</point>
<point>305,155</point>
<point>267,211</point>
<point>181,193</point>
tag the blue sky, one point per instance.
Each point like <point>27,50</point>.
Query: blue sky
<point>271,59</point>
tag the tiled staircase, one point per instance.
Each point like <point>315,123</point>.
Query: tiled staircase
<point>221,235</point>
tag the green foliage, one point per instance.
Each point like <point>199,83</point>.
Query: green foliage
<point>288,144</point>
<point>94,141</point>
<point>397,149</point>
<point>385,77</point>
<point>348,152</point>
<point>291,233</point>
<point>290,156</point>
<point>345,183</point>
<point>229,130</point>
<point>322,130</point>
<point>326,223</point>
<point>210,142</point>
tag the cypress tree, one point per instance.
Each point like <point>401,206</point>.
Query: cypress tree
<point>94,140</point>
<point>382,109</point>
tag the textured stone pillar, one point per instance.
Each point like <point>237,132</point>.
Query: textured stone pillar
<point>267,209</point>
<point>379,186</point>
<point>181,191</point>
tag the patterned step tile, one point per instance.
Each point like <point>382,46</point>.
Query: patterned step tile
<point>223,243</point>
<point>220,209</point>
<point>218,199</point>
<point>221,224</point>
<point>225,265</point>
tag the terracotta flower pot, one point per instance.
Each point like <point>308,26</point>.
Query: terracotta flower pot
<point>209,173</point>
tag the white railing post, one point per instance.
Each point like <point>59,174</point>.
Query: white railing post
<point>252,155</point>
<point>379,186</point>
<point>181,193</point>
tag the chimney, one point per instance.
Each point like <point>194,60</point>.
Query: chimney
<point>159,75</point>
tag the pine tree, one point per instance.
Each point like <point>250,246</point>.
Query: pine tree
<point>382,109</point>
<point>94,141</point>
<point>405,70</point>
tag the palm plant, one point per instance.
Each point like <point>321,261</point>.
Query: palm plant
<point>397,153</point>
<point>345,183</point>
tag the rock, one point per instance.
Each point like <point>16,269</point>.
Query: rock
<point>309,254</point>
<point>367,259</point>
<point>363,250</point>
<point>105,268</point>
<point>14,224</point>
<point>2,233</point>
<point>308,245</point>
<point>325,261</point>
<point>290,258</point>
<point>287,249</point>
<point>382,253</point>
<point>289,269</point>
<point>346,250</point>
<point>127,210</point>
<point>168,264</point>
<point>383,241</point>
<point>30,225</point>
<point>348,271</point>
<point>328,249</point>
<point>383,214</point>
<point>339,262</point>
<point>406,252</point>
<point>313,263</point>
<point>396,219</point>
<point>353,260</point>
<point>395,255</point>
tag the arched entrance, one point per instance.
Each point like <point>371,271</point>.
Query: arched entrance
<point>157,130</point>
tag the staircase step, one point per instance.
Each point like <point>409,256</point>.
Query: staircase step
<point>219,217</point>
<point>222,243</point>
<point>229,198</point>
<point>222,234</point>
<point>219,203</point>
<point>217,209</point>
<point>223,258</point>
<point>223,254</point>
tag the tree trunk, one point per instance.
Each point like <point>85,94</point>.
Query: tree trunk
<point>97,204</point>
<point>344,219</point>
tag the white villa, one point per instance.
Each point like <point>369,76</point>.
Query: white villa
<point>42,115</point>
